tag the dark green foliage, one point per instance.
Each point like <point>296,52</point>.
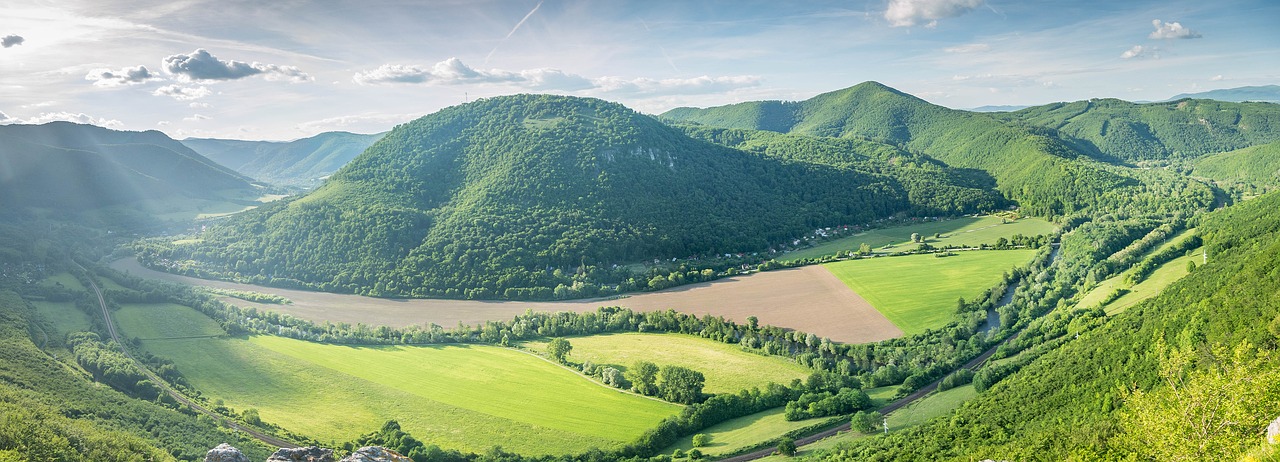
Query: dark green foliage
<point>110,366</point>
<point>787,446</point>
<point>1061,405</point>
<point>538,197</point>
<point>559,348</point>
<point>680,384</point>
<point>822,404</point>
<point>1255,164</point>
<point>866,422</point>
<point>78,167</point>
<point>300,163</point>
<point>956,379</point>
<point>1183,129</point>
<point>644,378</point>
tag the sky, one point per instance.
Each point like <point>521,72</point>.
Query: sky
<point>286,69</point>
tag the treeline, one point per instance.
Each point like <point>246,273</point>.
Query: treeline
<point>110,366</point>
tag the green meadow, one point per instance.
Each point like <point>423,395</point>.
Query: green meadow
<point>734,435</point>
<point>966,231</point>
<point>65,279</point>
<point>64,316</point>
<point>727,368</point>
<point>464,397</point>
<point>919,292</point>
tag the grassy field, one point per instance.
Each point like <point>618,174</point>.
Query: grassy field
<point>465,397</point>
<point>919,292</point>
<point>967,231</point>
<point>64,316</point>
<point>1159,279</point>
<point>164,320</point>
<point>937,404</point>
<point>727,368</point>
<point>66,279</point>
<point>734,435</point>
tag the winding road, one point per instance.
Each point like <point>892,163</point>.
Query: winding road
<point>111,329</point>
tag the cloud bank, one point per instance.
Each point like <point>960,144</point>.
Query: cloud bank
<point>200,65</point>
<point>11,40</point>
<point>906,13</point>
<point>454,72</point>
<point>80,118</point>
<point>182,93</point>
<point>1138,51</point>
<point>1171,30</point>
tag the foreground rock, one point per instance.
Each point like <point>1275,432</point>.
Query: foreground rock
<point>225,453</point>
<point>1273,431</point>
<point>307,454</point>
<point>375,454</point>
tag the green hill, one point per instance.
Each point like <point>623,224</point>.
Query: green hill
<point>1030,165</point>
<point>303,163</point>
<point>1270,93</point>
<point>1255,164</point>
<point>514,196</point>
<point>72,166</point>
<point>1188,375</point>
<point>1183,129</point>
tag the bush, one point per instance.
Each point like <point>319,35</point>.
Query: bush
<point>701,440</point>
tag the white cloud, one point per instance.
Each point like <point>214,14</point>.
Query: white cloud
<point>364,122</point>
<point>1171,30</point>
<point>162,123</point>
<point>80,118</point>
<point>40,104</point>
<point>182,93</point>
<point>454,72</point>
<point>905,13</point>
<point>198,105</point>
<point>195,118</point>
<point>968,48</point>
<point>1138,51</point>
<point>200,65</point>
<point>126,76</point>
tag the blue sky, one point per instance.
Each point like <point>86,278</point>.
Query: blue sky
<point>289,69</point>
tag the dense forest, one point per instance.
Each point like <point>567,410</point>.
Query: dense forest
<point>301,163</point>
<point>513,197</point>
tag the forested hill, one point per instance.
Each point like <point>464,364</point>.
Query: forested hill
<point>303,163</point>
<point>74,166</point>
<point>516,195</point>
<point>1031,165</point>
<point>1255,164</point>
<point>1201,356</point>
<point>1183,129</point>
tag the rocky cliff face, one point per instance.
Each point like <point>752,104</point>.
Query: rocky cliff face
<point>226,453</point>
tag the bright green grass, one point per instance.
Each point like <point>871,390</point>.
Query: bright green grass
<point>734,435</point>
<point>935,405</point>
<point>107,283</point>
<point>64,316</point>
<point>164,320</point>
<point>727,368</point>
<point>882,396</point>
<point>463,397</point>
<point>1110,285</point>
<point>967,231</point>
<point>1166,274</point>
<point>919,292</point>
<point>67,280</point>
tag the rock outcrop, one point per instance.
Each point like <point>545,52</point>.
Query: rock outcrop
<point>307,454</point>
<point>375,454</point>
<point>225,453</point>
<point>1273,431</point>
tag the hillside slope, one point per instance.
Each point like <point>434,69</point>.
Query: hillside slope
<point>72,166</point>
<point>1255,164</point>
<point>514,196</point>
<point>1183,129</point>
<point>1030,165</point>
<point>1078,403</point>
<point>1269,93</point>
<point>303,163</point>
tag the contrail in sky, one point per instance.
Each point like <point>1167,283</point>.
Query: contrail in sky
<point>513,31</point>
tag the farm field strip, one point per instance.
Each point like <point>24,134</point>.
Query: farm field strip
<point>966,231</point>
<point>727,368</point>
<point>64,316</point>
<point>66,279</point>
<point>919,292</point>
<point>808,299</point>
<point>1168,273</point>
<point>734,435</point>
<point>153,321</point>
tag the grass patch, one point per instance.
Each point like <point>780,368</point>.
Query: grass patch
<point>469,398</point>
<point>727,368</point>
<point>64,316</point>
<point>164,320</point>
<point>919,292</point>
<point>1166,274</point>
<point>65,279</point>
<point>966,231</point>
<point>734,435</point>
<point>882,396</point>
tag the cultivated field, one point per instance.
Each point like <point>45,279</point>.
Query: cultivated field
<point>727,368</point>
<point>809,299</point>
<point>966,231</point>
<point>152,321</point>
<point>919,292</point>
<point>65,279</point>
<point>734,435</point>
<point>465,397</point>
<point>64,316</point>
<point>1155,282</point>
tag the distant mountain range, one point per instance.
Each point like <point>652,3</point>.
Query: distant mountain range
<point>1263,93</point>
<point>302,163</point>
<point>72,166</point>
